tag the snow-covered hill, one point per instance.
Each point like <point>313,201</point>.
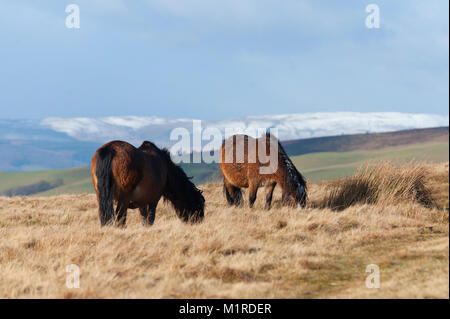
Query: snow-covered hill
<point>289,126</point>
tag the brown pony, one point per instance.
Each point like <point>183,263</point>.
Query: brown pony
<point>241,165</point>
<point>138,178</point>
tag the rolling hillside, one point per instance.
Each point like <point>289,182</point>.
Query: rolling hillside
<point>76,180</point>
<point>366,142</point>
<point>334,165</point>
<point>315,166</point>
<point>57,143</point>
<point>319,159</point>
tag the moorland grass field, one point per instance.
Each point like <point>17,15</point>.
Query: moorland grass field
<point>394,216</point>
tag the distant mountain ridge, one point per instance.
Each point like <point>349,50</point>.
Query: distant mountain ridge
<point>289,126</point>
<point>366,142</point>
<point>56,143</point>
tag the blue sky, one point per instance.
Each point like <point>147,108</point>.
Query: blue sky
<point>222,59</point>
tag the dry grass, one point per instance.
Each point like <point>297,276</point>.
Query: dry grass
<point>381,184</point>
<point>235,252</point>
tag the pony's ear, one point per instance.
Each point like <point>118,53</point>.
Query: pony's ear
<point>144,144</point>
<point>147,145</point>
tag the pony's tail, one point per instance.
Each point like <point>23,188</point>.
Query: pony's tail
<point>186,199</point>
<point>105,184</point>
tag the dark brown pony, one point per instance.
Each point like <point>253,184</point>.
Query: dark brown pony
<point>138,178</point>
<point>244,170</point>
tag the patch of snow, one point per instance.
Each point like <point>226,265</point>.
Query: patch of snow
<point>290,126</point>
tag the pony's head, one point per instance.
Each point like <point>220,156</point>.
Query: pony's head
<point>185,197</point>
<point>295,196</point>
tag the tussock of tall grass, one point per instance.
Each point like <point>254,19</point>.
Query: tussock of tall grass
<point>382,183</point>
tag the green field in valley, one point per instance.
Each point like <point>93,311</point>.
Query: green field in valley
<point>334,165</point>
<point>76,180</point>
<point>315,166</point>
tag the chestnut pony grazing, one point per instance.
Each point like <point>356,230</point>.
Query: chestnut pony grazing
<point>138,178</point>
<point>242,165</point>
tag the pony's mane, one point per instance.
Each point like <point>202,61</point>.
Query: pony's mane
<point>185,197</point>
<point>294,177</point>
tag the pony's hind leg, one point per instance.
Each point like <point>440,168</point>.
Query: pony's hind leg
<point>233,194</point>
<point>148,214</point>
<point>269,194</point>
<point>252,191</point>
<point>121,213</point>
<point>144,214</point>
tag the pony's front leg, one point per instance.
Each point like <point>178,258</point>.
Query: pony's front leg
<point>252,191</point>
<point>269,194</point>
